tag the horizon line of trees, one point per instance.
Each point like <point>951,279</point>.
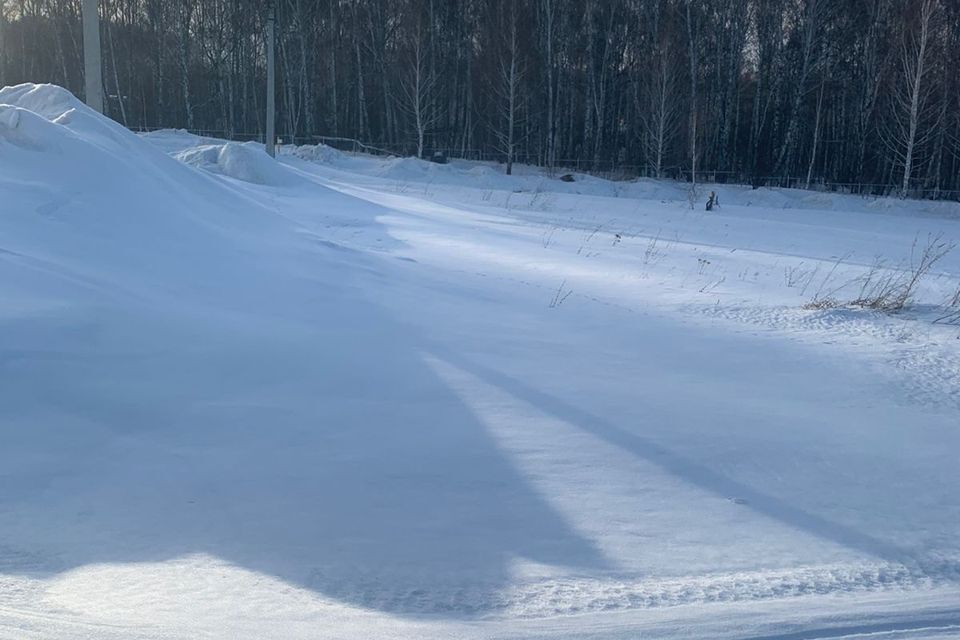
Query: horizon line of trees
<point>864,93</point>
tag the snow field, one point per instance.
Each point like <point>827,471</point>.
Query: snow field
<point>343,396</point>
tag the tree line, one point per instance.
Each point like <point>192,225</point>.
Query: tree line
<point>862,93</point>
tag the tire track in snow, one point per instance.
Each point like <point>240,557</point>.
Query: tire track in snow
<point>927,628</point>
<point>578,595</point>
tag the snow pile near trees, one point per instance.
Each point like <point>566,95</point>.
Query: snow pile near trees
<point>246,161</point>
<point>55,132</point>
<point>488,175</point>
<point>60,107</point>
<point>93,198</point>
<point>319,153</point>
<point>52,124</point>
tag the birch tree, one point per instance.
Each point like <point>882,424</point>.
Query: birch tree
<point>661,108</point>
<point>811,27</point>
<point>418,90</point>
<point>909,127</point>
<point>510,72</point>
<point>548,17</point>
<point>694,70</point>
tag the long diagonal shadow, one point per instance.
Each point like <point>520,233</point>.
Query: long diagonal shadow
<point>698,474</point>
<point>252,406</point>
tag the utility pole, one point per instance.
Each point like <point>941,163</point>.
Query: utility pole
<point>92,69</point>
<point>271,80</point>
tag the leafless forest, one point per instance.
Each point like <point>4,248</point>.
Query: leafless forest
<point>859,95</point>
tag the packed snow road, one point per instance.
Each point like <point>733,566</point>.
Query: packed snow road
<point>346,397</point>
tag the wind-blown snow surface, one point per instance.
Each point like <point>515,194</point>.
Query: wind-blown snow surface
<point>347,397</point>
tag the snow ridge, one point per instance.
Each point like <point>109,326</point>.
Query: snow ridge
<point>585,594</point>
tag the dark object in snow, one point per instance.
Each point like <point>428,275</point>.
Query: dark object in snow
<point>714,201</point>
<point>567,177</point>
<point>439,157</point>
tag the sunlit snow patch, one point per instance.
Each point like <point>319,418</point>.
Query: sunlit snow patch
<point>246,161</point>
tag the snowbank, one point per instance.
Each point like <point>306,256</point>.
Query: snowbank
<point>60,107</point>
<point>485,175</point>
<point>246,161</point>
<point>91,197</point>
<point>50,130</point>
<point>25,129</point>
<point>319,153</point>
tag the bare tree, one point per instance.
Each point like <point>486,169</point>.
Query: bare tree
<point>908,128</point>
<point>816,133</point>
<point>185,9</point>
<point>869,79</point>
<point>510,72</point>
<point>661,109</point>
<point>418,89</point>
<point>767,18</point>
<point>548,13</point>
<point>811,52</point>
<point>692,46</point>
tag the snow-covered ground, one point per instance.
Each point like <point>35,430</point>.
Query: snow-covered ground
<point>351,397</point>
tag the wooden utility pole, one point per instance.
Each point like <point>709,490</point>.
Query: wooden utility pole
<point>271,80</point>
<point>92,66</point>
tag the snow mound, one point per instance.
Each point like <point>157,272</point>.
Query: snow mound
<point>45,130</point>
<point>92,197</point>
<point>25,129</point>
<point>407,168</point>
<point>47,100</point>
<point>247,162</point>
<point>172,141</point>
<point>319,153</point>
<point>60,107</point>
<point>48,103</point>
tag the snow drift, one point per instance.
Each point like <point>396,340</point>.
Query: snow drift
<point>93,198</point>
<point>246,161</point>
<point>60,107</point>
